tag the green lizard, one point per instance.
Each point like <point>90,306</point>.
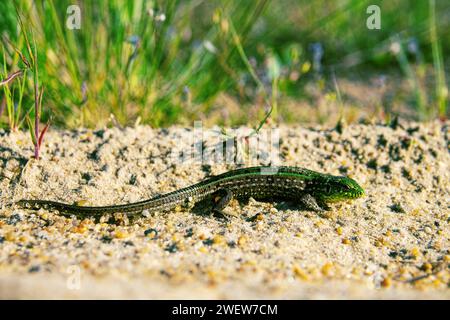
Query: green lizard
<point>312,189</point>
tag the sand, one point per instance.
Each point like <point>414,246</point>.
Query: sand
<point>391,244</point>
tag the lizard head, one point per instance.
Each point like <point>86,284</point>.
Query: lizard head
<point>338,188</point>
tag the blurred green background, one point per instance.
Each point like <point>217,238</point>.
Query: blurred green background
<point>225,62</point>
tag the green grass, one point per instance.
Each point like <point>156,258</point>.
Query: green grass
<point>29,63</point>
<point>12,95</point>
<point>128,64</point>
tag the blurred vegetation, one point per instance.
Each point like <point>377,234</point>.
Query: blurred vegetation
<point>166,62</point>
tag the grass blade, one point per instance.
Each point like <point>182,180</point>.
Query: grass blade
<point>11,77</point>
<point>31,129</point>
<point>2,106</point>
<point>41,135</point>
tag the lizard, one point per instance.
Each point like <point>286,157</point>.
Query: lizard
<point>312,189</point>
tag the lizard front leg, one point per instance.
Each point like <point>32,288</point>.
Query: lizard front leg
<point>221,199</point>
<point>311,203</point>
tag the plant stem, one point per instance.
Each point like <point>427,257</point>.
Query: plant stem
<point>36,101</point>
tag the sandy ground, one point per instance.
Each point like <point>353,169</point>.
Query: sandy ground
<point>394,243</point>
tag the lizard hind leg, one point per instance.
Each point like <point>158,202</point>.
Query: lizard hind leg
<point>221,199</point>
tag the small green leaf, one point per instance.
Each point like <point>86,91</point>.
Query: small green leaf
<point>31,129</point>
<point>41,93</point>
